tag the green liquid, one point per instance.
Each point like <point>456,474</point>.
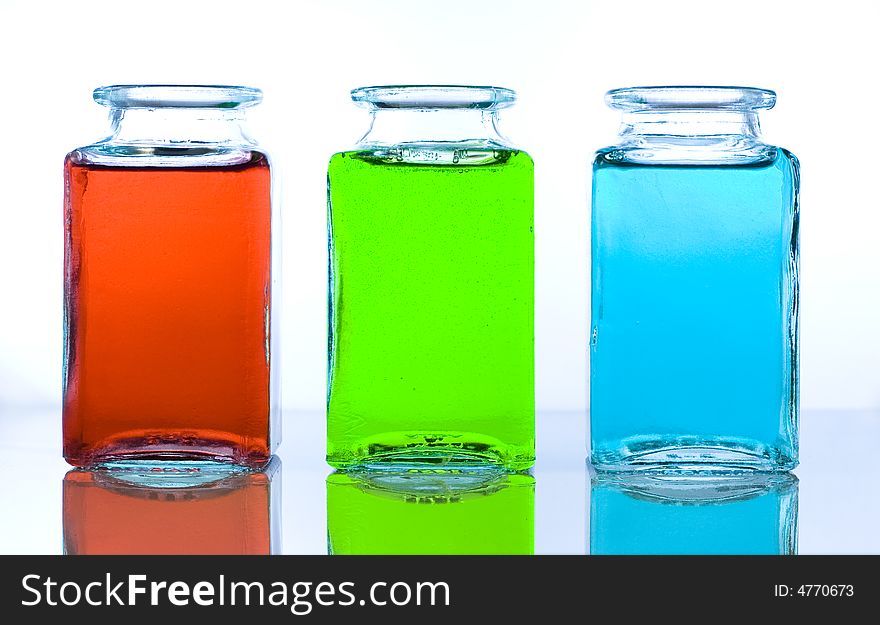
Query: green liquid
<point>446,513</point>
<point>432,308</point>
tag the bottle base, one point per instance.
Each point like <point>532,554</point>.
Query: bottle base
<point>691,456</point>
<point>166,451</point>
<point>402,451</point>
<point>174,474</point>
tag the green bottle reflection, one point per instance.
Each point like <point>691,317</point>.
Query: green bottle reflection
<point>665,515</point>
<point>425,512</point>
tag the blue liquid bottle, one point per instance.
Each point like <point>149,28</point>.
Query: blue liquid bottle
<point>694,343</point>
<point>754,514</point>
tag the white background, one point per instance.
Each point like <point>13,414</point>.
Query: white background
<point>560,56</point>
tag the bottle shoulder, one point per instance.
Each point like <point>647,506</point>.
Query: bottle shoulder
<point>713,152</point>
<point>434,154</point>
<point>133,155</point>
<point>790,156</point>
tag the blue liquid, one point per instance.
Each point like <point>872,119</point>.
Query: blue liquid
<point>694,315</point>
<point>719,517</point>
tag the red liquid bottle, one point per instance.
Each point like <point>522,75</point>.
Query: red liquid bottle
<point>168,283</point>
<point>187,511</point>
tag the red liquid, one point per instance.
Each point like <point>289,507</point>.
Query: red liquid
<point>104,516</point>
<point>167,298</point>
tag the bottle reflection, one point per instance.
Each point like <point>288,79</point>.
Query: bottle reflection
<point>430,512</point>
<point>656,515</point>
<point>194,508</point>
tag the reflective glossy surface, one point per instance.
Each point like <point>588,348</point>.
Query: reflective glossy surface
<point>838,500</point>
<point>430,512</point>
<point>190,509</point>
<point>668,515</point>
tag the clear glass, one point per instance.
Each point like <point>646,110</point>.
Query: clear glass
<point>411,512</point>
<point>169,282</point>
<point>694,331</point>
<point>431,312</point>
<point>192,508</point>
<point>643,514</point>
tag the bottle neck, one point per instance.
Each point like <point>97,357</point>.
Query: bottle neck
<point>177,127</point>
<point>171,137</point>
<point>691,124</point>
<point>691,136</point>
<point>459,126</point>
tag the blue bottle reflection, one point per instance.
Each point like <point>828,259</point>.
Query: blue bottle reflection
<point>669,515</point>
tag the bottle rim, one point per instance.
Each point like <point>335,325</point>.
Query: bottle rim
<point>479,97</point>
<point>690,98</point>
<point>177,96</point>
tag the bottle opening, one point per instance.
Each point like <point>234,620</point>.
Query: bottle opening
<point>695,98</point>
<point>177,96</point>
<point>434,97</point>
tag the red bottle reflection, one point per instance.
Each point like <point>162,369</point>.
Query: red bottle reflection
<point>108,512</point>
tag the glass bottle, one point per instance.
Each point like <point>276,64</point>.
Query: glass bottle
<point>431,339</point>
<point>185,510</point>
<point>694,342</point>
<point>168,282</point>
<point>427,512</point>
<point>647,514</point>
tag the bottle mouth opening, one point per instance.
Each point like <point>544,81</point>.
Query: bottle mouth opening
<point>177,96</point>
<point>433,97</point>
<point>690,98</point>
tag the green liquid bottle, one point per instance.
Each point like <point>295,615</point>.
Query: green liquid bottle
<point>431,286</point>
<point>471,512</point>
